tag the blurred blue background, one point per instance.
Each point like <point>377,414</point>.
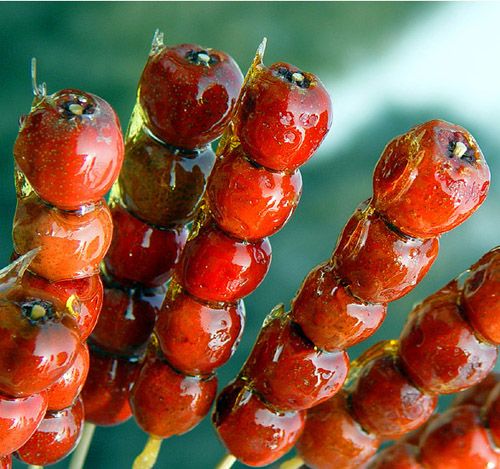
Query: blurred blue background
<point>388,67</point>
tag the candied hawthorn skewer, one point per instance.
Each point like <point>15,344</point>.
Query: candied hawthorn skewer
<point>56,436</point>
<point>186,95</point>
<point>455,446</point>
<point>392,392</point>
<point>343,301</point>
<point>168,158</point>
<point>40,341</point>
<point>228,254</point>
<point>68,153</point>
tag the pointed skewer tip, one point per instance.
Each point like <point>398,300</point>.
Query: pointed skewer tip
<point>262,49</point>
<point>40,91</point>
<point>157,43</point>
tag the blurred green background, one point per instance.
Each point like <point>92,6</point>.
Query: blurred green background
<point>388,67</point>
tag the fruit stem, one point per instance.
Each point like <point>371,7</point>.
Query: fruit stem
<point>149,455</point>
<point>226,462</point>
<point>297,77</point>
<point>37,312</point>
<point>459,149</point>
<point>79,456</point>
<point>293,463</point>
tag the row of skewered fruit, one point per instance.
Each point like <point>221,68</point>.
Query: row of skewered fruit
<point>426,183</point>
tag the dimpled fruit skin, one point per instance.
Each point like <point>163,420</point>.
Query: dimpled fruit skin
<point>329,316</point>
<point>19,418</point>
<point>70,161</point>
<point>268,434</point>
<point>187,104</point>
<point>165,402</point>
<point>72,245</point>
<point>439,350</point>
<point>217,267</point>
<point>378,263</point>
<point>56,436</point>
<point>422,188</point>
<point>343,442</point>
<point>161,186</point>
<point>457,440</point>
<point>386,403</point>
<point>289,372</point>
<point>280,124</point>
<point>195,337</point>
<point>251,202</point>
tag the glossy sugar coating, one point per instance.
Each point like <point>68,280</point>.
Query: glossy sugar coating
<point>267,434</point>
<point>67,388</point>
<point>249,201</point>
<point>36,352</point>
<point>492,409</point>
<point>333,439</point>
<point>19,418</point>
<point>217,267</point>
<point>430,179</point>
<point>127,319</point>
<point>197,337</point>
<point>413,437</point>
<point>283,117</point>
<point>398,456</point>
<point>6,462</point>
<point>457,440</point>
<point>85,295</point>
<point>70,148</point>
<point>288,371</point>
<point>377,262</point>
<point>72,244</point>
<point>106,392</point>
<point>55,438</point>
<point>386,403</point>
<point>167,403</point>
<point>159,184</point>
<point>140,253</point>
<point>187,92</point>
<point>329,315</point>
<point>438,348</point>
<point>478,394</point>
<point>481,298</point>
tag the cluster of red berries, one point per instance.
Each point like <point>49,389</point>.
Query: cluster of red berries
<point>299,360</point>
<point>464,436</point>
<point>68,153</point>
<point>251,193</point>
<point>154,350</point>
<point>185,99</point>
<point>446,346</point>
